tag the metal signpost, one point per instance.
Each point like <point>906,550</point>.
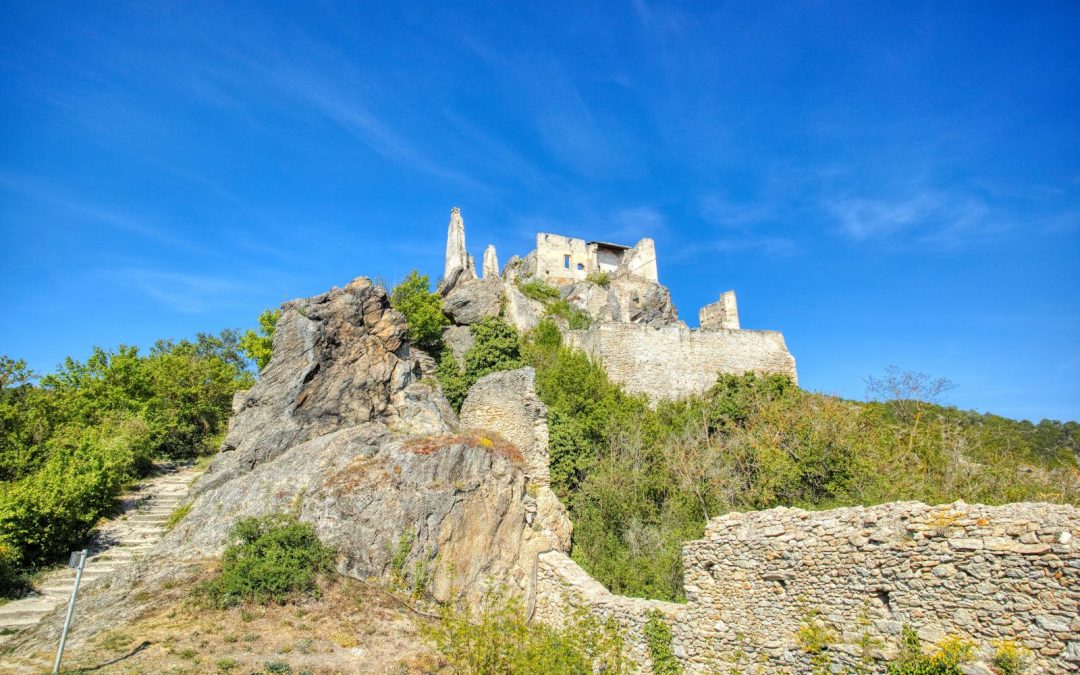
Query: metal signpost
<point>78,561</point>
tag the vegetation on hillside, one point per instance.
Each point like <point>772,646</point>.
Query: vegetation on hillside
<point>274,558</point>
<point>500,640</point>
<point>72,440</point>
<point>641,480</point>
<point>258,345</point>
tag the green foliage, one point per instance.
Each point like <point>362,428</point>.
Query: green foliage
<point>658,639</point>
<point>499,640</point>
<point>497,348</point>
<point>536,289</point>
<point>600,279</point>
<point>640,481</point>
<point>554,305</point>
<point>70,444</point>
<point>274,558</point>
<point>259,345</point>
<point>946,661</point>
<point>177,515</point>
<point>1010,658</point>
<point>400,555</point>
<point>423,311</point>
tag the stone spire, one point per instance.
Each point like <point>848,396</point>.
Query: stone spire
<point>491,263</point>
<point>456,257</point>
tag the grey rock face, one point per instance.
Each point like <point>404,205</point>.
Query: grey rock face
<point>343,429</point>
<point>626,299</point>
<point>459,339</point>
<point>474,300</point>
<point>340,359</point>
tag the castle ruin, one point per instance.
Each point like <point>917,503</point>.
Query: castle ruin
<point>634,329</point>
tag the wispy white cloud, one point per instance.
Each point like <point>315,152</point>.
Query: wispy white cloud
<point>108,216</point>
<point>932,217</point>
<point>182,292</point>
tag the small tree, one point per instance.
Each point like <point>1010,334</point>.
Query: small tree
<point>423,311</point>
<point>259,346</point>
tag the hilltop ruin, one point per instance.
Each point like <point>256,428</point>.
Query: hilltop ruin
<point>634,332</point>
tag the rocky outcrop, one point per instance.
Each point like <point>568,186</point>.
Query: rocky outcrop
<point>459,340</point>
<point>340,360</point>
<point>491,262</point>
<point>343,429</point>
<point>624,299</point>
<point>474,300</point>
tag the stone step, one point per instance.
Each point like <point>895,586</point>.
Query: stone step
<point>21,622</point>
<point>22,609</point>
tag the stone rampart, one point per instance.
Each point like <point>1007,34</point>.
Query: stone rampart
<point>974,572</point>
<point>669,362</point>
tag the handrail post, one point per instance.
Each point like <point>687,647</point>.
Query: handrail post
<point>71,609</point>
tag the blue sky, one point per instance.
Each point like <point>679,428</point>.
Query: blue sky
<point>886,183</point>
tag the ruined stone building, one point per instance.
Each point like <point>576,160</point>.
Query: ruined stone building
<point>634,328</point>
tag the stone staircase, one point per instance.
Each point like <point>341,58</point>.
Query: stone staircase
<point>114,544</point>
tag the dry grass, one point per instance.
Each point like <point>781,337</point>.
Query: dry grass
<point>352,628</point>
<point>490,441</point>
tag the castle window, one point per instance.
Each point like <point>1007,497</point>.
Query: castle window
<point>566,261</point>
<point>580,267</point>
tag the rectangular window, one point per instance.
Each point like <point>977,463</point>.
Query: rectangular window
<point>566,261</point>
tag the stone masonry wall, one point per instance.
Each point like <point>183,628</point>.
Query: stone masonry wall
<point>670,362</point>
<point>981,573</point>
<point>562,586</point>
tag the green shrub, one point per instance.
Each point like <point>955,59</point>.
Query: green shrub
<point>599,278</point>
<point>177,515</point>
<point>499,640</point>
<point>945,661</point>
<point>1010,658</point>
<point>658,639</point>
<point>423,311</point>
<point>497,347</point>
<point>259,345</point>
<point>274,558</point>
<point>554,305</point>
<point>536,289</point>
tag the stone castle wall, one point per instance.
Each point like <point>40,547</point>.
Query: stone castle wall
<point>981,573</point>
<point>673,361</point>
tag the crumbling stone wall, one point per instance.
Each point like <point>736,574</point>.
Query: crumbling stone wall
<point>506,402</point>
<point>720,315</point>
<point>981,573</point>
<point>669,362</point>
<point>562,587</point>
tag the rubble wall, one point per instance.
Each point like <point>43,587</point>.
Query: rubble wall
<point>980,573</point>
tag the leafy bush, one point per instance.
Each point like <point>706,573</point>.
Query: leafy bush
<point>499,640</point>
<point>536,289</point>
<point>70,444</point>
<point>259,345</point>
<point>600,279</point>
<point>946,661</point>
<point>423,311</point>
<point>658,638</point>
<point>497,348</point>
<point>1010,658</point>
<point>554,304</point>
<point>274,558</point>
